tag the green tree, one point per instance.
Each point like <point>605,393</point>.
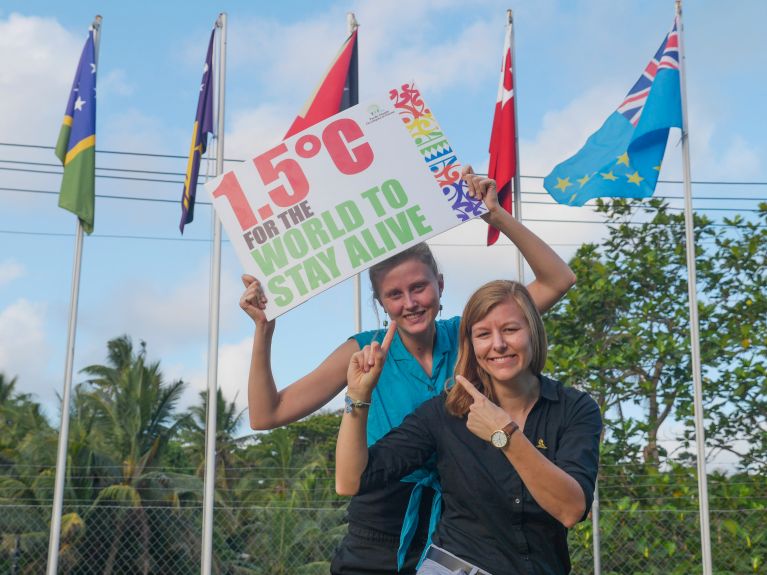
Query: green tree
<point>739,259</point>
<point>287,502</point>
<point>132,417</point>
<point>228,445</point>
<point>623,332</point>
<point>27,453</point>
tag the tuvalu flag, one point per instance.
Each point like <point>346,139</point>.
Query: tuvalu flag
<point>503,157</point>
<point>623,158</point>
<point>203,125</point>
<point>337,91</point>
<point>76,146</point>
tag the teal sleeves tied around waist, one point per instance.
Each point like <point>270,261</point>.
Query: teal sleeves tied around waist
<point>422,478</point>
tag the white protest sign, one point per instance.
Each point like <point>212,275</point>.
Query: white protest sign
<point>329,202</point>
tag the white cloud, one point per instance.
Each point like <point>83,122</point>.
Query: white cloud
<point>255,129</point>
<point>170,317</point>
<point>714,155</point>
<point>233,368</point>
<point>564,131</point>
<point>115,82</point>
<point>458,61</point>
<point>134,130</point>
<point>10,270</point>
<point>24,350</point>
<point>740,159</point>
<point>148,309</point>
<point>435,61</point>
<point>39,61</point>
<point>34,79</point>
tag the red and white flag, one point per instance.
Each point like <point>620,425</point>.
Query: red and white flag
<point>503,159</point>
<point>337,91</point>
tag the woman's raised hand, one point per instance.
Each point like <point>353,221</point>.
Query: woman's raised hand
<point>481,188</point>
<point>253,301</point>
<point>485,417</point>
<point>366,365</point>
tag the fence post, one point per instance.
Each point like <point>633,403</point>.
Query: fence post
<point>596,541</point>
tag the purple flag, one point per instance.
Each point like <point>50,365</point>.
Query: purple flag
<point>203,125</point>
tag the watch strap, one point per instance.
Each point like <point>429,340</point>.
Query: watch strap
<point>510,428</point>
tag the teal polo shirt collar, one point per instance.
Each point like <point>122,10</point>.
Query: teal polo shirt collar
<point>406,362</point>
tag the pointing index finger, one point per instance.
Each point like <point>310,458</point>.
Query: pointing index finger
<point>469,387</point>
<point>389,337</point>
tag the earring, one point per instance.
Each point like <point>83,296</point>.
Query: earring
<point>440,310</point>
<point>386,320</point>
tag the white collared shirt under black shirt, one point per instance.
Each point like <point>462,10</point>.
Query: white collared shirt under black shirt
<point>489,517</point>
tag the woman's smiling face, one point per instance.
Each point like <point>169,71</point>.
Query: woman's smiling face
<point>501,342</point>
<point>410,294</point>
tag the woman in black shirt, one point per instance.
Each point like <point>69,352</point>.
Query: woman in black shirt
<point>517,452</point>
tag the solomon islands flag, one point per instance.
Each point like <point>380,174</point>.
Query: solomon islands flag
<point>623,158</point>
<point>203,125</point>
<point>76,146</point>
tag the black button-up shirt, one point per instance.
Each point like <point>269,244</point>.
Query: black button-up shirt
<point>489,517</point>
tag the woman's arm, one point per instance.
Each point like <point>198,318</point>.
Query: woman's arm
<point>267,407</point>
<point>352,449</point>
<point>556,491</point>
<point>553,277</point>
<point>365,367</point>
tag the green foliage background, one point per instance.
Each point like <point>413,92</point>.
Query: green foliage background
<point>133,501</point>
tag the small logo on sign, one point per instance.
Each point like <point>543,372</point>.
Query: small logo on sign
<point>375,113</point>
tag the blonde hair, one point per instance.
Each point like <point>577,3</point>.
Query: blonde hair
<point>419,252</point>
<point>479,305</point>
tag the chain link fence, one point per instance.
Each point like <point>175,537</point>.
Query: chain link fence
<point>637,537</point>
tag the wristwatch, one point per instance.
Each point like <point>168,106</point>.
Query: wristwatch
<point>350,404</point>
<point>500,438</point>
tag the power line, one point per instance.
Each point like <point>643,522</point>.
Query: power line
<point>106,176</point>
<point>108,236</point>
<point>236,160</point>
<point>163,238</point>
<point>525,202</point>
<point>107,196</point>
<point>55,165</point>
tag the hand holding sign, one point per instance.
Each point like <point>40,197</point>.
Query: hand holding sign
<point>253,301</point>
<point>485,417</point>
<point>366,365</point>
<point>481,188</point>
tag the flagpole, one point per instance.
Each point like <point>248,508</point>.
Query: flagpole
<point>517,186</point>
<point>213,323</point>
<point>61,456</point>
<point>700,432</point>
<point>352,25</point>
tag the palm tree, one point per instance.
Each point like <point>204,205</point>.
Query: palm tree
<point>134,408</point>
<point>17,416</point>
<point>288,504</point>
<point>229,463</point>
<point>27,455</point>
<point>131,416</point>
<point>228,446</point>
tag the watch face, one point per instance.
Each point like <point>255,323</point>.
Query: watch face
<point>499,438</point>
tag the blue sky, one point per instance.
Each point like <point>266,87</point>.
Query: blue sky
<point>575,62</point>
